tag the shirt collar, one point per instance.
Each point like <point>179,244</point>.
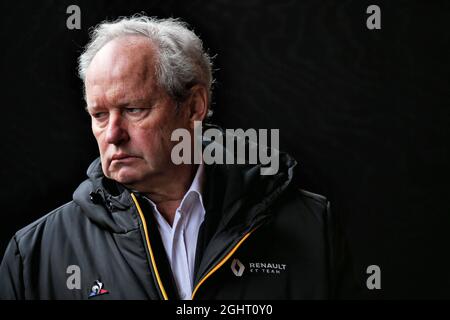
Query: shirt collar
<point>195,191</point>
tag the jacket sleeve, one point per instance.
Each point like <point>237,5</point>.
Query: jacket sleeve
<point>343,281</point>
<point>11,278</point>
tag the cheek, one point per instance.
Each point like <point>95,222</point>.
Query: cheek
<point>152,143</point>
<point>100,140</point>
<point>102,148</point>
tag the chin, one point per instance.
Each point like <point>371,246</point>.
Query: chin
<point>126,178</point>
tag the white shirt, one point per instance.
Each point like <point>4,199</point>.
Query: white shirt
<point>180,239</point>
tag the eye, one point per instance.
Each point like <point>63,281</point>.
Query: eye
<point>98,115</point>
<point>133,110</point>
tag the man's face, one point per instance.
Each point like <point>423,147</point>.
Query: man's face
<point>132,118</point>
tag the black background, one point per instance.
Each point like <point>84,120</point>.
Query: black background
<point>365,112</point>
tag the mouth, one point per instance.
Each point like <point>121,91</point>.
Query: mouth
<point>122,157</point>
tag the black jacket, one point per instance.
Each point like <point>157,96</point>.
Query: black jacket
<point>262,238</point>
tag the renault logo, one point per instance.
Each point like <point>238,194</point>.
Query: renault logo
<point>237,267</point>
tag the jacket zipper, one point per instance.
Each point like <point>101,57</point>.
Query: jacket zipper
<point>152,257</point>
<point>222,262</point>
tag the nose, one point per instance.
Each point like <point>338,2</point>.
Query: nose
<point>116,131</point>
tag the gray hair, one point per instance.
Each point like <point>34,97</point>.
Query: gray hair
<point>181,62</point>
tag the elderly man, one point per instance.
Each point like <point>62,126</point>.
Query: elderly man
<point>142,227</point>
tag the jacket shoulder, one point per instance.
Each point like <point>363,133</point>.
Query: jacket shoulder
<point>63,215</point>
<point>303,210</point>
<point>316,203</point>
<point>315,197</point>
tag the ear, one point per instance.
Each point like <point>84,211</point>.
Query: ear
<point>197,104</point>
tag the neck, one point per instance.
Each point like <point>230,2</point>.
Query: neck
<point>168,192</point>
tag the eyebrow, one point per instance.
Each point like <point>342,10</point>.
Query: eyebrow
<point>122,105</point>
